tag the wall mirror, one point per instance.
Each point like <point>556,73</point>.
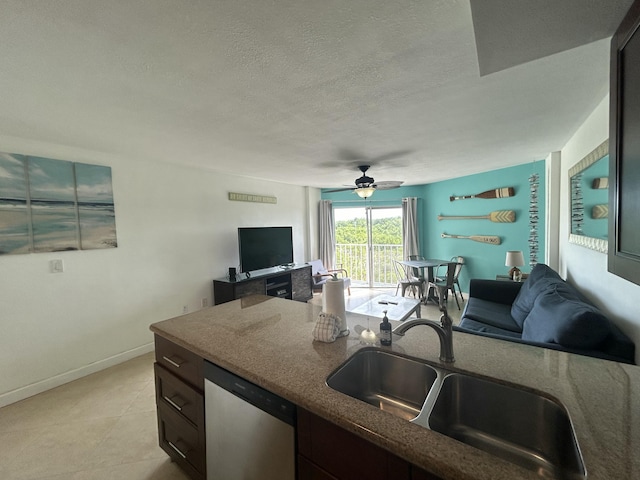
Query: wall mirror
<point>589,199</point>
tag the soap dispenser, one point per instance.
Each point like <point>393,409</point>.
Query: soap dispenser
<point>385,331</point>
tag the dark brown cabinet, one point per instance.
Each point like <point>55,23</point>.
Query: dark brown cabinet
<point>624,149</point>
<point>180,406</point>
<point>328,452</point>
<point>325,451</point>
<point>292,283</point>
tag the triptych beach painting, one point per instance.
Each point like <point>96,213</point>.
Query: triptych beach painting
<point>51,205</point>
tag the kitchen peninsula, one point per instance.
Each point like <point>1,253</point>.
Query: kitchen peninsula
<point>268,341</point>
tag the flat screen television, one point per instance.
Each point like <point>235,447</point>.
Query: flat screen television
<point>264,247</point>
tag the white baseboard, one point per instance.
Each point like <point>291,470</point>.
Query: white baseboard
<point>49,383</point>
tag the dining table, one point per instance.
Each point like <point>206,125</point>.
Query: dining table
<point>429,264</point>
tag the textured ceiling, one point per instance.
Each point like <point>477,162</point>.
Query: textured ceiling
<point>295,91</point>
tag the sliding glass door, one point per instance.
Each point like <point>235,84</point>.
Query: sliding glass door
<point>367,241</point>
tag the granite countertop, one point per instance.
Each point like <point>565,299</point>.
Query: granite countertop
<point>269,341</point>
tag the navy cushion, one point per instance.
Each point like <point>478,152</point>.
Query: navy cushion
<point>542,278</point>
<point>491,313</point>
<point>472,325</point>
<point>565,320</point>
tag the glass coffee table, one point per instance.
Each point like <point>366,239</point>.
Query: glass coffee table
<point>398,308</point>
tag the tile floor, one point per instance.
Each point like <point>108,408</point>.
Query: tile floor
<point>103,426</point>
<point>99,427</point>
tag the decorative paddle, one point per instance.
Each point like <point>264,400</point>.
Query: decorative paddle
<point>495,193</point>
<point>499,216</point>
<point>600,211</point>
<point>601,182</point>
<point>492,239</point>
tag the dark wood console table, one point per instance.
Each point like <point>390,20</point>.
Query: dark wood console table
<point>293,283</point>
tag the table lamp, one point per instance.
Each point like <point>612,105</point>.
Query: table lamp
<point>514,259</point>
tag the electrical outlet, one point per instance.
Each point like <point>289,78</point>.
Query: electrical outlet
<point>205,302</point>
<point>185,309</point>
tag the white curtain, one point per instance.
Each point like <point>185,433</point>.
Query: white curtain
<point>410,227</point>
<point>327,231</point>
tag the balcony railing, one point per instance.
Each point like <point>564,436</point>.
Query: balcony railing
<point>353,258</point>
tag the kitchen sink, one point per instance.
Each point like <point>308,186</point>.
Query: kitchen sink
<point>395,384</point>
<point>522,427</point>
<point>515,424</point>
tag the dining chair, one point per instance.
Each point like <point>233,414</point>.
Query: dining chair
<point>446,280</point>
<point>405,282</point>
<point>460,262</point>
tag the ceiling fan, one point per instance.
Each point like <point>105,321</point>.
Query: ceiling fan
<point>365,185</point>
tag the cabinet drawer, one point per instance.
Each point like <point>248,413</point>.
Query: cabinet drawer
<point>309,471</point>
<point>183,442</point>
<point>177,395</point>
<point>180,361</point>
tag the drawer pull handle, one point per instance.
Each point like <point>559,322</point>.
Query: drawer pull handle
<point>173,404</point>
<point>177,450</point>
<point>177,365</point>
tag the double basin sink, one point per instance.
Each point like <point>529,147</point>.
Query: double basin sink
<point>525,428</point>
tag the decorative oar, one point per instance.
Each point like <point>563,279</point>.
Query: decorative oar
<point>495,193</point>
<point>499,216</point>
<point>492,239</point>
<point>601,182</point>
<point>600,211</point>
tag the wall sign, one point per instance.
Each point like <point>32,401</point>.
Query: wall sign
<point>247,197</point>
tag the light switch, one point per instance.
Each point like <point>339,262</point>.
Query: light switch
<point>56,266</point>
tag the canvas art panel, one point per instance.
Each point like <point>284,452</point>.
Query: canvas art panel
<point>14,212</point>
<point>51,205</point>
<point>95,206</point>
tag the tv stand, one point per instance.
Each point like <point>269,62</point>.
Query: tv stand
<point>293,282</point>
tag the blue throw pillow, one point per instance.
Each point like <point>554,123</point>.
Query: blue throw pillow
<point>565,321</point>
<point>540,279</point>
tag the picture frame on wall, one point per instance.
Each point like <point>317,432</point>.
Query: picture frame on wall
<point>49,205</point>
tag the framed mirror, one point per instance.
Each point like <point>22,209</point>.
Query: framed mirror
<point>589,200</point>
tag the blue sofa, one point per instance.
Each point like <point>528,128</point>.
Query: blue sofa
<point>545,311</point>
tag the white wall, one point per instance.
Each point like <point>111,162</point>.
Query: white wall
<point>585,268</point>
<point>176,232</point>
<point>552,218</point>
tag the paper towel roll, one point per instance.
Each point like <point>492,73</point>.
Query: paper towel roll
<point>333,301</point>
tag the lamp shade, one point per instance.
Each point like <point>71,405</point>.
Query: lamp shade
<point>514,258</point>
<point>365,192</point>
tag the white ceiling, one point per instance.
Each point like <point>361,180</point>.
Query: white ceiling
<point>302,91</point>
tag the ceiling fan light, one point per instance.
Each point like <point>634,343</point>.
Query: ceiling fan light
<point>365,192</point>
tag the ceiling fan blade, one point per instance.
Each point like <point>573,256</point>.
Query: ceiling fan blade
<point>340,190</point>
<point>350,155</point>
<point>387,185</point>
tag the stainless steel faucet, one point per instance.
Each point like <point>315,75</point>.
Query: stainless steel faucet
<point>444,329</point>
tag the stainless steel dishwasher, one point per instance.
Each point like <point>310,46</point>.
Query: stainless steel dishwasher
<point>250,431</point>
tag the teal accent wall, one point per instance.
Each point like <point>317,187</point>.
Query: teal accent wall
<point>481,260</point>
